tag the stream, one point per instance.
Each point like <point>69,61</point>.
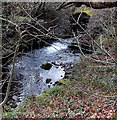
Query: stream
<point>30,78</point>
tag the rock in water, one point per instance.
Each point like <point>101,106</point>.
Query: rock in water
<point>46,66</point>
<point>48,80</point>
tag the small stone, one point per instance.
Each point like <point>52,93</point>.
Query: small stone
<point>48,80</point>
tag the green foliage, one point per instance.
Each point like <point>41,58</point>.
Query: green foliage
<point>105,85</point>
<point>11,114</point>
<point>51,92</point>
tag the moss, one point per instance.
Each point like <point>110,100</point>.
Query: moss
<point>64,82</point>
<point>46,44</point>
<point>85,10</point>
<point>110,40</point>
<point>114,116</point>
<point>50,92</point>
<point>42,95</point>
<point>54,90</point>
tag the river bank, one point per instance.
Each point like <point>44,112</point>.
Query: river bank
<point>88,92</point>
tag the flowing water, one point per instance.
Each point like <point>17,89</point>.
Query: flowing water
<point>32,77</point>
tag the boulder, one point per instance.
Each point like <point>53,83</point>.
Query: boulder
<point>46,66</point>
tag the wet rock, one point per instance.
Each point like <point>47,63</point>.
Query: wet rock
<point>48,80</point>
<point>46,66</point>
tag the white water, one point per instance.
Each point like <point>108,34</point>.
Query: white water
<point>34,77</point>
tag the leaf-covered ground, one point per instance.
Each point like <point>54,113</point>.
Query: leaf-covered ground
<point>90,92</point>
